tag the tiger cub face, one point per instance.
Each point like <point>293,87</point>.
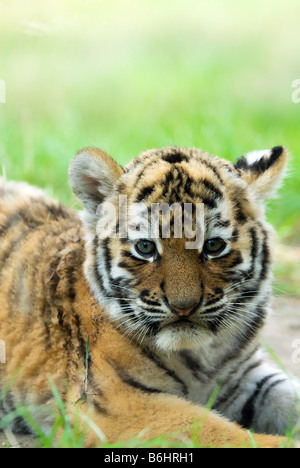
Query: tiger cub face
<point>178,249</point>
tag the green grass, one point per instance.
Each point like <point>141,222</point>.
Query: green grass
<point>69,429</point>
<point>70,425</point>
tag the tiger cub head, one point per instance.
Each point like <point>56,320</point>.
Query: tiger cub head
<point>178,249</point>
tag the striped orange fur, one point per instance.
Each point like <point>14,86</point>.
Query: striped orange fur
<point>61,285</point>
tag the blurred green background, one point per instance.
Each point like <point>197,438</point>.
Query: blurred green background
<point>128,75</point>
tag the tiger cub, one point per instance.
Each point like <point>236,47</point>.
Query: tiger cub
<point>138,309</point>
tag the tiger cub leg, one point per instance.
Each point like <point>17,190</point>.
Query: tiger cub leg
<point>176,420</point>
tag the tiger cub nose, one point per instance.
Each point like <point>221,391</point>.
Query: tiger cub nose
<point>184,312</point>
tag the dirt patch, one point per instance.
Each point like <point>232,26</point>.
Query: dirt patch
<point>287,271</point>
<point>281,334</point>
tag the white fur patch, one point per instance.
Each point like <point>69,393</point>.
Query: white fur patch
<point>255,156</point>
<point>171,339</point>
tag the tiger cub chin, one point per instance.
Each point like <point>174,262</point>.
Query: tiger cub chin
<point>138,309</point>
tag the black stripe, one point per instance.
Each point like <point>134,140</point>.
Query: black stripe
<point>248,410</point>
<point>8,406</point>
<point>270,387</point>
<point>213,309</point>
<point>11,222</point>
<point>238,261</point>
<point>223,224</point>
<point>254,251</point>
<point>97,273</point>
<point>96,269</point>
<point>151,303</point>
<point>231,253</point>
<point>145,193</point>
<point>265,258</point>
<point>214,300</point>
<point>107,256</point>
<point>235,235</point>
<point>127,254</point>
<point>212,188</point>
<point>169,184</point>
<point>276,153</point>
<point>187,189</point>
<point>191,363</point>
<point>232,393</point>
<point>81,340</point>
<point>123,265</point>
<point>12,248</point>
<point>210,202</point>
<point>242,164</point>
<point>119,283</point>
<point>60,316</point>
<point>212,168</point>
<point>99,408</point>
<point>199,371</point>
<point>263,164</point>
<point>249,274</point>
<point>239,214</point>
<point>144,166</point>
<point>97,394</point>
<point>7,254</point>
<point>215,323</point>
<point>70,275</point>
<point>248,294</point>
<point>138,385</point>
<point>153,311</point>
<point>256,323</point>
<point>46,309</point>
<point>153,327</point>
<point>57,211</point>
<point>175,157</point>
<point>146,293</point>
<point>129,309</point>
<point>127,379</point>
<point>27,216</point>
<point>168,371</point>
<point>176,185</point>
<point>71,293</point>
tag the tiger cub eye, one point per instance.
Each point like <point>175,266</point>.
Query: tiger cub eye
<point>214,246</point>
<point>146,248</point>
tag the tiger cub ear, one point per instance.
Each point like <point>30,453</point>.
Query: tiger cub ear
<point>264,170</point>
<point>93,175</point>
